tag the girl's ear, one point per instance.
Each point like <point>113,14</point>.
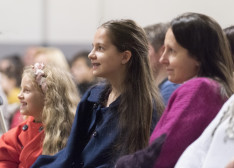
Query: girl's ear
<point>126,56</point>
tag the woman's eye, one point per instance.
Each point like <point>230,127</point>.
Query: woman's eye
<point>100,48</point>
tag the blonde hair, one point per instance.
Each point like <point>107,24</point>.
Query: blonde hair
<point>60,104</point>
<point>53,56</point>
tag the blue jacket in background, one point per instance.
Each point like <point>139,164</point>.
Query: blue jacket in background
<point>166,88</point>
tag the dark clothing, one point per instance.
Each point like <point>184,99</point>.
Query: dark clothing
<point>94,131</point>
<point>144,158</point>
<point>83,87</point>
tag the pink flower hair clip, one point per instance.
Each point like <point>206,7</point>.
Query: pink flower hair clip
<point>40,76</point>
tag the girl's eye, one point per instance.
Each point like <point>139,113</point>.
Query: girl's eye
<point>26,90</point>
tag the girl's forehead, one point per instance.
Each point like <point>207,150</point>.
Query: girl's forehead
<point>27,80</point>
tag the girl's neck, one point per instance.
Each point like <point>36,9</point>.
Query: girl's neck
<point>36,121</point>
<point>116,84</point>
<point>114,94</point>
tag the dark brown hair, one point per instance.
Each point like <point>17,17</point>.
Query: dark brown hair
<point>140,94</point>
<point>205,40</point>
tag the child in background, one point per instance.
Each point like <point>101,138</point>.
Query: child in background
<point>48,97</point>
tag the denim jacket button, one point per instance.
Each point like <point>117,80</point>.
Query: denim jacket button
<point>95,133</point>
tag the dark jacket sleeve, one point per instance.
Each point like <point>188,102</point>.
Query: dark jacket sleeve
<point>143,158</point>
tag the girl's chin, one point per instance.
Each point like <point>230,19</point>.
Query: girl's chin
<point>23,112</point>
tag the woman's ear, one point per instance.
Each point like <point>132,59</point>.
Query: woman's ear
<point>126,56</point>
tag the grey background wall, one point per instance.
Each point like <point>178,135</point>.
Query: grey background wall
<point>71,24</point>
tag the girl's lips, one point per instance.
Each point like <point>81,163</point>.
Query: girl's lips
<point>23,103</point>
<point>23,106</point>
<point>95,65</point>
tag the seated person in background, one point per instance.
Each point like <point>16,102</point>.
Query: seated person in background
<point>11,68</point>
<point>3,108</point>
<point>28,56</point>
<point>81,69</point>
<point>49,101</point>
<point>197,56</point>
<point>156,35</point>
<point>52,56</point>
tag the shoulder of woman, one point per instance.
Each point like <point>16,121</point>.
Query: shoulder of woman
<point>199,84</point>
<point>197,88</point>
<point>201,81</point>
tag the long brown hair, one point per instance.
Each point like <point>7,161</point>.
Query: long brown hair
<point>140,94</point>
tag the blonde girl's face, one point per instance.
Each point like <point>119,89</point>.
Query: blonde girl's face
<point>31,99</point>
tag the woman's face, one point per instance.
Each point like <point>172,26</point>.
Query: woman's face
<point>31,99</point>
<point>106,59</point>
<point>179,64</point>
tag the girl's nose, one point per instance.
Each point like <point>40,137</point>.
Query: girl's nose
<point>91,54</point>
<point>20,95</point>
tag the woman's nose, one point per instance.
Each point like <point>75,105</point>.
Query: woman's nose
<point>164,58</point>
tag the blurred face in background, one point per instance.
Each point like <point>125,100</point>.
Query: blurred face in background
<point>154,57</point>
<point>7,83</point>
<point>81,71</point>
<point>41,58</point>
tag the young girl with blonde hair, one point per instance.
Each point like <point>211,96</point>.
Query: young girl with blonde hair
<point>48,97</point>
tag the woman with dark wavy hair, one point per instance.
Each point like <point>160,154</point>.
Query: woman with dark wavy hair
<point>197,56</point>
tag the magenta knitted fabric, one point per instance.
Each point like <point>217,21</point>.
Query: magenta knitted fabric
<point>190,109</point>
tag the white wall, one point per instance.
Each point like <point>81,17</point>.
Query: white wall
<point>75,21</point>
<point>72,20</point>
<point>20,21</point>
<point>151,11</point>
